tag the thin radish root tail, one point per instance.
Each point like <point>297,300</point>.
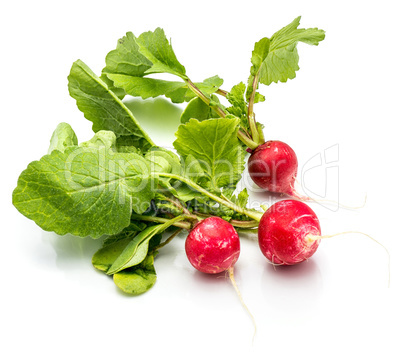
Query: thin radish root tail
<point>311,238</point>
<point>295,194</point>
<point>234,284</point>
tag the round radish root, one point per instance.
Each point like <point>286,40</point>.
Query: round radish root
<point>213,246</point>
<point>288,231</point>
<point>273,166</point>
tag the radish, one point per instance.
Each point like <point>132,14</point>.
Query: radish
<point>213,246</point>
<point>288,231</point>
<point>273,166</point>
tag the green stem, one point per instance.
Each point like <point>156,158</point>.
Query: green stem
<point>261,134</point>
<point>251,143</point>
<point>182,224</point>
<point>246,140</point>
<point>251,116</point>
<point>178,205</point>
<point>222,92</point>
<point>252,214</point>
<point>170,238</point>
<point>243,224</point>
<point>204,98</point>
<point>247,231</point>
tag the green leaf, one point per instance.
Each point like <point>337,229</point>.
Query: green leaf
<point>237,99</point>
<point>62,138</point>
<point>126,58</point>
<point>104,258</point>
<point>149,87</point>
<point>84,191</point>
<point>197,109</point>
<point>119,92</point>
<point>172,159</point>
<point>101,106</point>
<point>239,107</point>
<point>276,59</point>
<point>136,251</point>
<point>101,139</point>
<point>157,49</point>
<point>114,245</point>
<point>242,198</point>
<point>137,280</point>
<point>130,231</point>
<point>210,85</point>
<point>146,88</point>
<point>191,169</point>
<point>215,145</point>
<point>259,54</point>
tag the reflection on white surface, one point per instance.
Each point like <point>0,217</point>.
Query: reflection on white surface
<point>72,252</point>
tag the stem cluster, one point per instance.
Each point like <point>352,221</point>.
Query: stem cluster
<point>251,139</point>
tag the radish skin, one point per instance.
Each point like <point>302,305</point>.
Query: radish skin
<point>288,231</point>
<point>273,167</point>
<point>213,246</point>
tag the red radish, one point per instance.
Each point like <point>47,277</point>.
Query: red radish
<point>213,245</point>
<point>288,231</point>
<point>273,166</point>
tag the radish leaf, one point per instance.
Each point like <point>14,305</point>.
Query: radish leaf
<point>151,53</point>
<point>139,279</point>
<point>197,109</point>
<point>215,145</point>
<point>135,251</point>
<point>276,59</point>
<point>104,258</point>
<point>126,58</point>
<point>85,191</point>
<point>157,49</point>
<point>101,106</point>
<point>62,138</point>
<point>146,88</point>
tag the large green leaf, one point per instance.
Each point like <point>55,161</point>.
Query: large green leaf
<point>276,59</point>
<point>215,145</point>
<point>134,58</point>
<point>102,106</point>
<point>146,88</point>
<point>126,58</point>
<point>85,191</point>
<point>150,87</point>
<point>157,49</point>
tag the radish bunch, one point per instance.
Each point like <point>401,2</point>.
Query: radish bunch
<point>122,185</point>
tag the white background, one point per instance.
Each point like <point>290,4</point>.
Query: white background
<point>345,98</point>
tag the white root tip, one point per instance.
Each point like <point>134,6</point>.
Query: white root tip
<point>234,284</point>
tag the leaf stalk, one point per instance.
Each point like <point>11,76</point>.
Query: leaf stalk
<point>252,214</point>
